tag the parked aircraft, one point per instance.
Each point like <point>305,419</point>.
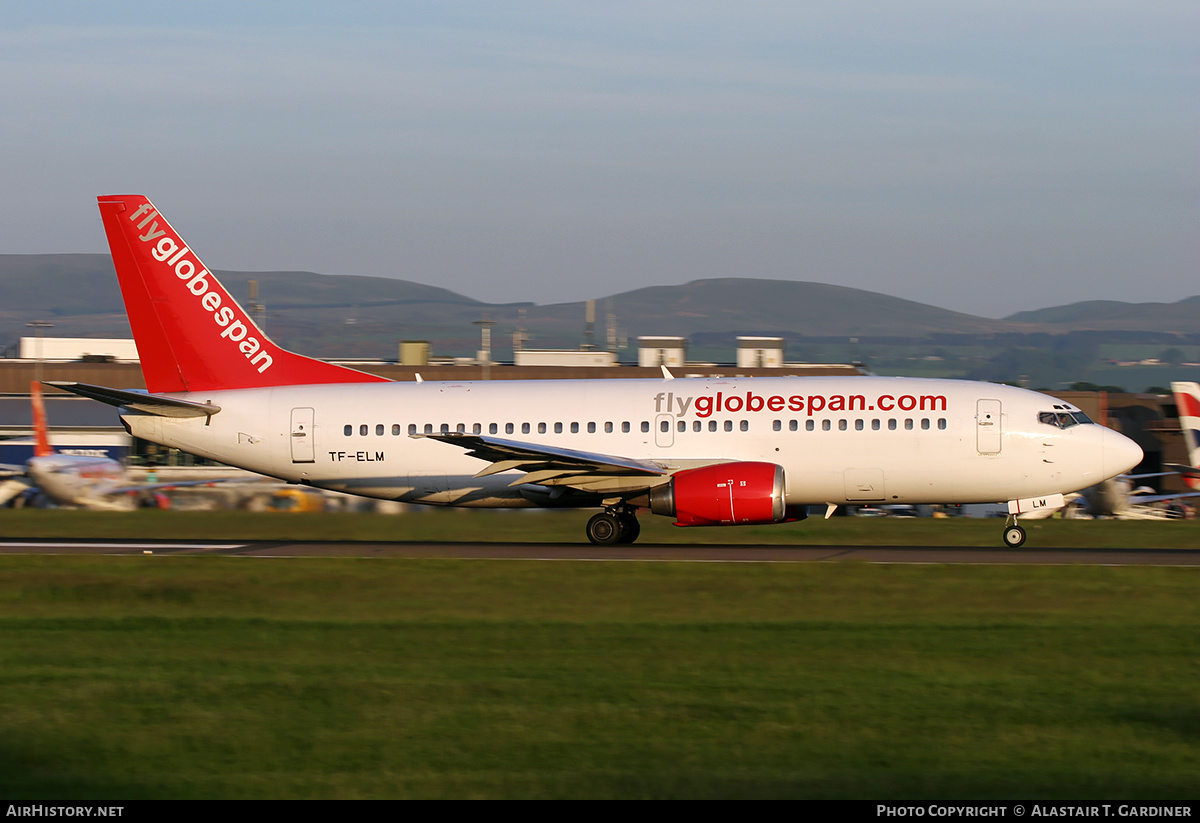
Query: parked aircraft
<point>1121,497</point>
<point>1187,403</point>
<point>72,480</point>
<point>703,451</point>
<point>64,479</point>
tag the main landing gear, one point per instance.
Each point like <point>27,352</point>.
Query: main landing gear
<point>613,525</point>
<point>1014,535</point>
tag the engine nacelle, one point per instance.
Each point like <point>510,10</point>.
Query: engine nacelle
<point>725,494</point>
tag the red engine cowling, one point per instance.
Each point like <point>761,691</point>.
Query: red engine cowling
<point>726,494</point>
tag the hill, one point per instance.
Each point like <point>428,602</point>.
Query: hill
<point>1181,317</point>
<point>350,315</point>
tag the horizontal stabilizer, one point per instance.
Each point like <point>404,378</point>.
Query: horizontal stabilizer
<point>139,401</point>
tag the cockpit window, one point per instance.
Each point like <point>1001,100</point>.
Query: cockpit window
<point>1063,418</point>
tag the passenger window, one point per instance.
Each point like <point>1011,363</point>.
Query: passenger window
<point>925,423</point>
<point>378,429</point>
<point>941,423</point>
<point>574,428</point>
<point>645,426</point>
<point>810,425</point>
<point>875,425</point>
<point>793,425</point>
<point>348,430</point>
<point>412,428</point>
<point>428,428</point>
<point>558,428</point>
<point>892,424</point>
<point>728,425</point>
<point>712,425</point>
<point>745,425</point>
<point>362,430</point>
<point>591,428</point>
<point>826,425</point>
<point>625,427</point>
<point>842,425</point>
<point>683,425</point>
<point>908,423</point>
<point>508,428</point>
<point>777,425</point>
<point>608,427</point>
<point>541,428</point>
<point>665,426</point>
<point>493,428</point>
<point>697,426</point>
<point>524,428</point>
<point>395,429</point>
<point>858,425</point>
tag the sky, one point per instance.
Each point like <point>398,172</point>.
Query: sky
<point>986,157</point>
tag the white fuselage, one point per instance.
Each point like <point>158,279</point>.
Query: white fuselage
<point>839,440</point>
<point>73,480</point>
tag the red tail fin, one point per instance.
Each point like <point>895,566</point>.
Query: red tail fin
<point>41,436</point>
<point>191,335</point>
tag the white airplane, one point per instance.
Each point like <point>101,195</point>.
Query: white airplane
<point>703,451</point>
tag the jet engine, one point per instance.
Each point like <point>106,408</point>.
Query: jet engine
<point>725,494</point>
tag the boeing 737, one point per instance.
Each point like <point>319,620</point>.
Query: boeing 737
<point>706,452</point>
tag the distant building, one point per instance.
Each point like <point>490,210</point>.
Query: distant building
<point>662,351</point>
<point>568,357</point>
<point>760,352</point>
<point>414,352</point>
<point>70,349</point>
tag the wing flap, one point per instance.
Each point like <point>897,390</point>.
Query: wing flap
<point>554,466</point>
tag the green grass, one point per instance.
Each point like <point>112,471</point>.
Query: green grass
<point>437,524</point>
<point>227,677</point>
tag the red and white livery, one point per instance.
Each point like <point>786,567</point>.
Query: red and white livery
<point>703,451</point>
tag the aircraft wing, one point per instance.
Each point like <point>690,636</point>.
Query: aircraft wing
<point>1138,499</point>
<point>1179,468</point>
<point>180,484</point>
<point>9,470</point>
<point>552,466</point>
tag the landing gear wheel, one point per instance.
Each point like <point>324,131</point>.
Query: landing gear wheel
<point>630,528</point>
<point>1014,536</point>
<point>604,529</point>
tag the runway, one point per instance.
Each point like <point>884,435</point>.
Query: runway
<point>635,553</point>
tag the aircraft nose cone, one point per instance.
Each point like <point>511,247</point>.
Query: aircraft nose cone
<point>1120,453</point>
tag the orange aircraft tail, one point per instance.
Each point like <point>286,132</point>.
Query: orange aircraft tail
<point>41,435</point>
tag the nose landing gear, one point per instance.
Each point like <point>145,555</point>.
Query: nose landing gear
<point>1014,535</point>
